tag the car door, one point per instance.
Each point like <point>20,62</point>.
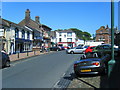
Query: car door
<point>79,50</point>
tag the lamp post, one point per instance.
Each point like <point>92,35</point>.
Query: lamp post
<point>112,61</point>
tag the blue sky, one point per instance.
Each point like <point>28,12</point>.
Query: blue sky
<point>86,16</point>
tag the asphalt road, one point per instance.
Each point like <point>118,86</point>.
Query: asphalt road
<point>42,71</point>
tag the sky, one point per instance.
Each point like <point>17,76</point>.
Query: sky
<point>86,16</point>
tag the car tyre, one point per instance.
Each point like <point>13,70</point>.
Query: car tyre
<point>77,74</point>
<point>72,52</point>
<point>7,64</point>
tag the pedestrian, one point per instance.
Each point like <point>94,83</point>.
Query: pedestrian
<point>3,50</point>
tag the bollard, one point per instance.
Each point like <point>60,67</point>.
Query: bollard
<point>111,64</point>
<point>34,52</point>
<point>27,53</point>
<point>18,55</point>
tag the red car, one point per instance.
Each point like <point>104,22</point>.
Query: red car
<point>89,49</point>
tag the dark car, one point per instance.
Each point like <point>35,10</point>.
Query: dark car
<point>4,60</point>
<point>92,64</point>
<point>55,49</point>
<point>104,49</point>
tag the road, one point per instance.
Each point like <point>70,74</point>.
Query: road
<point>42,71</point>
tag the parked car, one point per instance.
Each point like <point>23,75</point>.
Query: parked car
<point>92,64</point>
<point>89,49</point>
<point>104,49</point>
<point>4,60</point>
<point>76,50</point>
<point>67,47</point>
<point>55,49</point>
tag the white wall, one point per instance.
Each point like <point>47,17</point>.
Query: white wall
<point>64,39</point>
<point>93,43</point>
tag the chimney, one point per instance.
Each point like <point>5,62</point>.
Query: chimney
<point>37,19</point>
<point>107,27</point>
<point>27,14</point>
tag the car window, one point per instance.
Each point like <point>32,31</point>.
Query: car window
<point>86,46</point>
<point>79,48</point>
<point>98,47</point>
<point>106,47</point>
<point>92,47</point>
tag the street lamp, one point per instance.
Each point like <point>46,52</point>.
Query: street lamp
<point>112,61</point>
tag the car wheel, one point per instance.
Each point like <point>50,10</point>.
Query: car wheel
<point>77,74</point>
<point>7,64</point>
<point>72,52</point>
<point>57,50</point>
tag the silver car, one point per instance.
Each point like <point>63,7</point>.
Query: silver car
<point>76,50</point>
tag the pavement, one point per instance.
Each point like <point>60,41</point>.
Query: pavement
<point>96,81</point>
<point>15,57</point>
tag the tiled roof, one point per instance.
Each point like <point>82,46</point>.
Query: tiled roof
<point>65,31</point>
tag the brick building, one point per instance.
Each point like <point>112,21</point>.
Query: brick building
<point>104,34</point>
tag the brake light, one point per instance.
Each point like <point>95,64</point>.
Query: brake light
<point>75,65</point>
<point>96,63</point>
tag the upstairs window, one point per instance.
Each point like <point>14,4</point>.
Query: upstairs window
<point>28,35</point>
<point>16,33</point>
<point>23,34</point>
<point>69,34</point>
<point>60,34</point>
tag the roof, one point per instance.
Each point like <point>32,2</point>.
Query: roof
<point>65,31</point>
<point>33,24</point>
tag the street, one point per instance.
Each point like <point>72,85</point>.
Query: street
<point>38,72</point>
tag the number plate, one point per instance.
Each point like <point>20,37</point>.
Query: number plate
<point>89,70</point>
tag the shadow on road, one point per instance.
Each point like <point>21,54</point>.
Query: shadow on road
<point>70,77</point>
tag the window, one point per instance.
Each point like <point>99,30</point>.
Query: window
<point>60,39</point>
<point>69,34</point>
<point>16,33</point>
<point>69,39</point>
<point>23,34</point>
<point>106,47</point>
<point>64,35</point>
<point>60,34</point>
<point>101,31</point>
<point>79,48</point>
<point>28,35</point>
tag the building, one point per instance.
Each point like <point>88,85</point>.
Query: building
<point>53,39</point>
<point>66,38</point>
<point>18,38</point>
<point>103,34</point>
<point>46,36</point>
<point>117,39</point>
<point>40,31</point>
